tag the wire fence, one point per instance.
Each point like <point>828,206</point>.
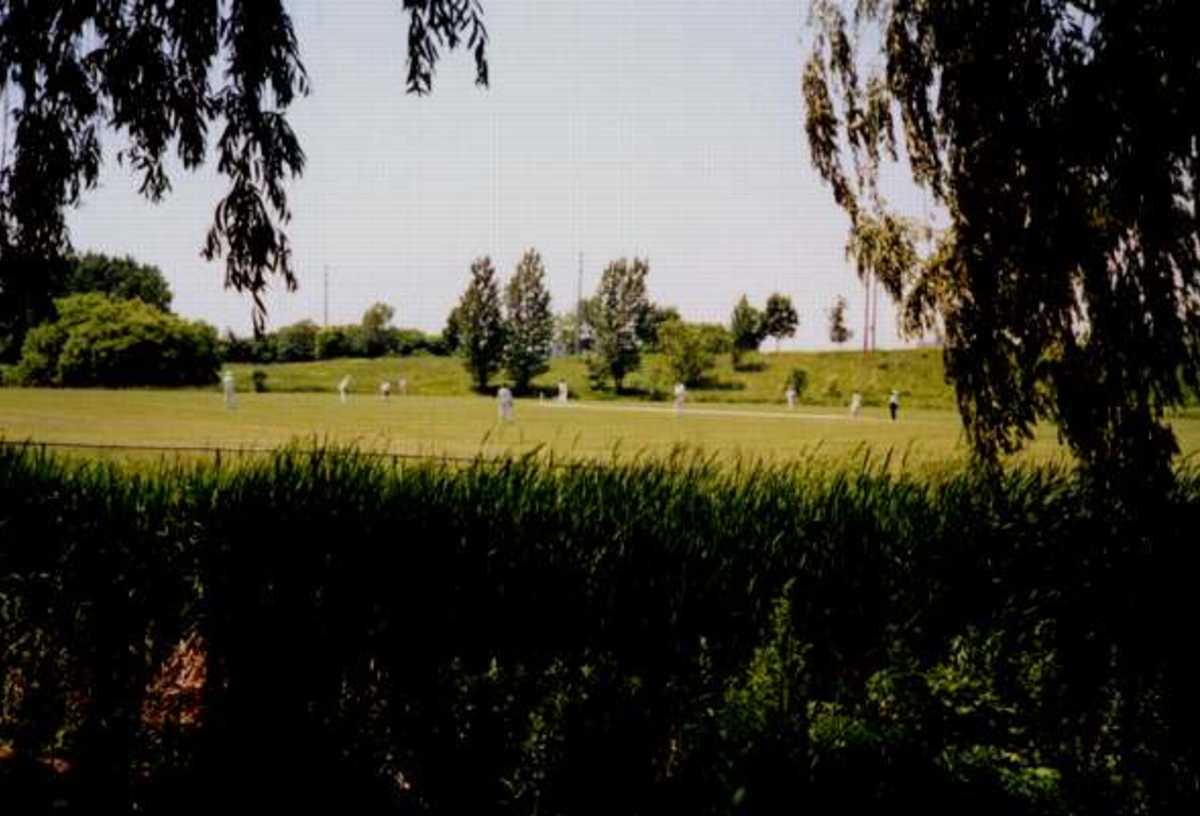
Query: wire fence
<point>218,453</point>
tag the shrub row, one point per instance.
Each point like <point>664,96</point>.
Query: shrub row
<point>305,341</point>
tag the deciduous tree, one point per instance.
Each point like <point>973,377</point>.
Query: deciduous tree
<point>529,321</point>
<point>839,332</point>
<point>748,327</point>
<point>780,319</point>
<point>614,315</point>
<point>1061,139</point>
<point>481,324</point>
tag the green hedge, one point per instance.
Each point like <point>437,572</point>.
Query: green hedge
<point>642,638</point>
<point>99,341</point>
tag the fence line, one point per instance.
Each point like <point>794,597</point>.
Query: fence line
<point>216,451</point>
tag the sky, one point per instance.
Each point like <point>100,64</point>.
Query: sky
<point>672,130</point>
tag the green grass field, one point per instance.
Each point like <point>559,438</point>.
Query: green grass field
<point>833,376</point>
<point>468,426</point>
<point>737,413</point>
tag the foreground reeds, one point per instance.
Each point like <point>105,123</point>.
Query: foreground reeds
<point>337,631</point>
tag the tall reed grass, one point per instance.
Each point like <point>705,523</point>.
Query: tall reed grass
<point>363,635</point>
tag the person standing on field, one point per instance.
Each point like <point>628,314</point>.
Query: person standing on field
<point>505,398</point>
<point>791,396</point>
<point>894,403</point>
<point>343,386</point>
<point>680,393</point>
<point>855,403</point>
<point>230,392</point>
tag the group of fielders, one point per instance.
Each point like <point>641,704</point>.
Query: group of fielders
<point>505,402</point>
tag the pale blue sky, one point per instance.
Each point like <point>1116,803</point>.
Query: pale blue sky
<point>672,129</point>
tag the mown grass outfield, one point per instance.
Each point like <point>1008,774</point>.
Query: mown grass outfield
<point>468,426</point>
<point>737,413</point>
<point>832,377</point>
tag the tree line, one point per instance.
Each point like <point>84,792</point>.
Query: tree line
<point>304,341</point>
<point>112,326</point>
<point>517,331</point>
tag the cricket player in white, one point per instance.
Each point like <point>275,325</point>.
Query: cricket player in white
<point>230,393</point>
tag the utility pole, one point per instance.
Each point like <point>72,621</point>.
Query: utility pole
<point>579,307</point>
<point>327,296</point>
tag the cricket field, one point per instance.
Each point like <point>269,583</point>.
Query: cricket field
<point>138,422</point>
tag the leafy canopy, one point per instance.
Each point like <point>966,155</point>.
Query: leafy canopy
<point>839,332</point>
<point>687,348</point>
<point>171,77</point>
<point>748,326</point>
<point>480,324</point>
<point>780,319</point>
<point>530,322</point>
<point>103,341</point>
<point>1060,136</point>
<point>615,314</point>
<point>119,278</point>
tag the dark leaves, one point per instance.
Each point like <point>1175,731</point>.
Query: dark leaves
<point>145,68</point>
<point>1062,140</point>
<point>437,23</point>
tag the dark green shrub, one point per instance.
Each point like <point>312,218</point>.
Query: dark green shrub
<point>684,346</point>
<point>798,379</point>
<point>331,342</point>
<point>296,343</point>
<point>105,342</point>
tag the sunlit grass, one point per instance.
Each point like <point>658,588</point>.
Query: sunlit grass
<point>468,426</point>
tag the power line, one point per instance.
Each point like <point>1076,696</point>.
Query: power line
<point>326,295</point>
<point>579,307</point>
<point>217,451</point>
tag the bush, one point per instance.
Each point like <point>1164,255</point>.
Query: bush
<point>684,346</point>
<point>331,342</point>
<point>410,341</point>
<point>234,349</point>
<point>104,342</point>
<point>43,345</point>
<point>296,343</point>
<point>717,339</point>
<point>798,379</point>
<point>259,378</point>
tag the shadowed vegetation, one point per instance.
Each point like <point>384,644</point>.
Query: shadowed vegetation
<point>318,628</point>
